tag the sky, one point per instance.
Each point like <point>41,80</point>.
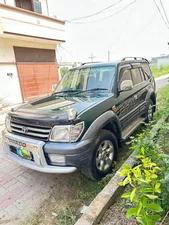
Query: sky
<point>136,31</point>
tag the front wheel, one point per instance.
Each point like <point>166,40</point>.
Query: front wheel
<point>105,152</point>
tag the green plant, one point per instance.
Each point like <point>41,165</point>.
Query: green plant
<point>145,192</point>
<point>160,72</point>
<point>63,71</point>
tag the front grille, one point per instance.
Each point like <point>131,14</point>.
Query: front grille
<point>30,130</point>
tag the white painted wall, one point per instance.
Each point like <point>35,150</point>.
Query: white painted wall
<point>44,7</point>
<point>31,25</point>
<point>10,2</point>
<point>6,51</point>
<point>9,86</point>
<point>9,43</point>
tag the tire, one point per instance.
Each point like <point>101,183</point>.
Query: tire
<point>150,112</point>
<point>104,155</point>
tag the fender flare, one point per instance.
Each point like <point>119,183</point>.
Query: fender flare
<point>149,96</point>
<point>100,122</point>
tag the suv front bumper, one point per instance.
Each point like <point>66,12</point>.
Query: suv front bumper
<point>77,155</point>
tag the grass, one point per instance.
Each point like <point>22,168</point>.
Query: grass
<point>158,73</point>
<point>84,190</point>
<point>162,98</point>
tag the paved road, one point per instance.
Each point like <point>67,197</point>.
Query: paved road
<point>162,81</point>
<point>23,190</point>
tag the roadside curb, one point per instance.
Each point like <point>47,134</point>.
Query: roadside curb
<point>112,190</point>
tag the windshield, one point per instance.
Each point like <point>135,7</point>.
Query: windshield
<point>87,78</point>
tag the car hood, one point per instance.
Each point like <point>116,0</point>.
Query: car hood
<point>57,107</point>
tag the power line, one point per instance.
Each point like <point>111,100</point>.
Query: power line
<point>65,49</point>
<point>94,14</point>
<point>161,14</point>
<point>107,16</point>
<point>164,11</point>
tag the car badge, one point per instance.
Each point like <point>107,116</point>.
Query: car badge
<point>25,130</point>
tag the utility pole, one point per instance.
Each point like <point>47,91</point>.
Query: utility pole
<point>92,57</point>
<point>108,55</point>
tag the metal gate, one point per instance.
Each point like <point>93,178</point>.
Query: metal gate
<point>37,70</point>
<point>37,79</point>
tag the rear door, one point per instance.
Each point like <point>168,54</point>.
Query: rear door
<point>141,86</point>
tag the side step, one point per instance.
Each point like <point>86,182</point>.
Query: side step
<point>130,129</point>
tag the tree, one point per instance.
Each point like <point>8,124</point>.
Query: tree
<point>63,71</point>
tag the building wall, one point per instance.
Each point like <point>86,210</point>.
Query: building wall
<point>28,24</point>
<point>10,86</point>
<point>10,2</point>
<point>162,62</point>
<point>44,5</point>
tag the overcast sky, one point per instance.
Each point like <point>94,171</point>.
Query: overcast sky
<point>136,31</point>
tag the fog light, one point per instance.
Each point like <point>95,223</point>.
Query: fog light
<point>57,159</point>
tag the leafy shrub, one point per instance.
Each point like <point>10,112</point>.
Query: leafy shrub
<point>149,179</point>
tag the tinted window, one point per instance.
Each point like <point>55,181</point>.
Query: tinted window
<point>125,75</point>
<point>146,67</point>
<point>143,77</point>
<point>136,76</point>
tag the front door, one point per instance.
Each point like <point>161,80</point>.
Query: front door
<point>127,100</point>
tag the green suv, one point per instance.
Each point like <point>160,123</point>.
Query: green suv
<point>94,108</point>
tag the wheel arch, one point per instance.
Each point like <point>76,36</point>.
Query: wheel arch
<point>153,98</point>
<point>113,127</point>
<point>106,121</point>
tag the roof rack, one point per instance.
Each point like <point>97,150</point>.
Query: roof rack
<point>89,63</point>
<point>135,58</point>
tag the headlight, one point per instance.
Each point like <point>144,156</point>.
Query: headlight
<point>69,133</point>
<point>8,122</point>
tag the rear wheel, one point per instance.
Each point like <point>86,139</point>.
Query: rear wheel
<point>105,152</point>
<point>150,112</point>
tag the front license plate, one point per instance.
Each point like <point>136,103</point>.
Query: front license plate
<point>24,153</point>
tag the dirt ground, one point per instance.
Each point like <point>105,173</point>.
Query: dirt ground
<point>115,215</point>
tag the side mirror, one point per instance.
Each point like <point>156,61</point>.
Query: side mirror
<point>126,85</point>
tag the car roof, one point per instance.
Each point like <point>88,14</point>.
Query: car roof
<point>111,63</point>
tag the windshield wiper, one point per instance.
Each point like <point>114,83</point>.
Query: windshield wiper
<point>65,91</point>
<point>93,89</point>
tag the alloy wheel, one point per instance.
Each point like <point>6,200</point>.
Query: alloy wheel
<point>104,156</point>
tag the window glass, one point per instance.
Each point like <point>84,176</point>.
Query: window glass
<point>87,78</point>
<point>142,74</point>
<point>147,76</point>
<point>24,4</point>
<point>125,75</point>
<point>146,67</point>
<point>136,76</point>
